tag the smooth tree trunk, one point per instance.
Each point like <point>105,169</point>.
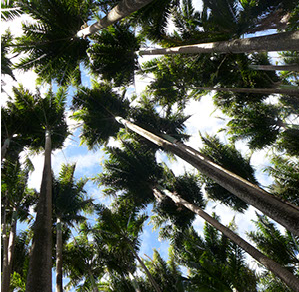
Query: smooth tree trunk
<point>285,214</point>
<point>121,10</point>
<point>291,67</point>
<point>288,91</point>
<point>39,277</point>
<point>4,148</point>
<point>286,276</point>
<point>59,286</point>
<point>7,269</point>
<point>285,41</point>
<point>4,242</point>
<point>149,275</point>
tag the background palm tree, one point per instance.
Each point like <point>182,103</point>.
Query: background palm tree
<point>69,200</point>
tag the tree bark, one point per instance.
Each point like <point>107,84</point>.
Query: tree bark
<point>149,275</point>
<point>285,214</point>
<point>286,276</point>
<point>10,252</point>
<point>293,67</point>
<point>288,91</point>
<point>121,10</point>
<point>39,277</point>
<point>286,41</point>
<point>4,148</point>
<point>59,286</point>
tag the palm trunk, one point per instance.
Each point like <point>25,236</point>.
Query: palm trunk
<point>40,265</point>
<point>286,276</point>
<point>59,286</point>
<point>4,148</point>
<point>4,243</point>
<point>285,214</point>
<point>10,252</point>
<point>288,91</point>
<point>121,10</point>
<point>286,41</point>
<point>149,275</point>
<point>291,67</point>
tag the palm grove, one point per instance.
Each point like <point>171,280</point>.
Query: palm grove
<point>207,51</point>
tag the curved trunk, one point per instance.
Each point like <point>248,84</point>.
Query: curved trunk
<point>288,91</point>
<point>286,41</point>
<point>291,67</point>
<point>149,275</point>
<point>10,252</point>
<point>286,276</point>
<point>39,277</point>
<point>121,10</point>
<point>59,286</point>
<point>4,148</point>
<point>283,213</point>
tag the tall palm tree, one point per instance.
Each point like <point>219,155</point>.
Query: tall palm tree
<point>286,41</point>
<point>48,132</point>
<point>68,202</point>
<point>124,172</point>
<point>241,188</point>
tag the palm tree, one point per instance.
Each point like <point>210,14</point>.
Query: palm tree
<point>6,64</point>
<point>17,200</point>
<point>286,181</point>
<point>123,172</point>
<point>214,262</point>
<point>113,56</point>
<point>120,229</point>
<point>286,41</point>
<point>48,131</point>
<point>52,49</point>
<point>241,188</point>
<point>84,263</point>
<point>69,200</point>
<point>231,159</point>
<point>121,10</point>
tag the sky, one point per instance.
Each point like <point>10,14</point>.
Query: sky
<point>204,119</point>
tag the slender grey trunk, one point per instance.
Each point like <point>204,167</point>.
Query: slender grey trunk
<point>59,286</point>
<point>39,277</point>
<point>10,252</point>
<point>4,148</point>
<point>291,67</point>
<point>121,10</point>
<point>288,91</point>
<point>286,276</point>
<point>149,275</point>
<point>4,243</point>
<point>285,214</point>
<point>285,41</point>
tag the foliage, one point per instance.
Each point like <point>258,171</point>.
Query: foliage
<point>6,64</point>
<point>231,159</point>
<point>214,263</point>
<point>112,55</point>
<point>97,108</point>
<point>49,43</point>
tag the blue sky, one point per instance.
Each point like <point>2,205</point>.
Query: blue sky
<point>204,118</point>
